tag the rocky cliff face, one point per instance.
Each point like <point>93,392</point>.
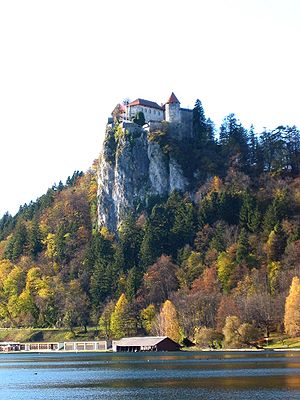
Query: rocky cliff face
<point>132,169</point>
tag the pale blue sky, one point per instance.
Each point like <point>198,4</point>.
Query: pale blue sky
<point>66,63</point>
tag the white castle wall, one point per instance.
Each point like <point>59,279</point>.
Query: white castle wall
<point>172,112</point>
<point>151,114</point>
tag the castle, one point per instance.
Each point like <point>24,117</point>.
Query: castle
<point>170,111</point>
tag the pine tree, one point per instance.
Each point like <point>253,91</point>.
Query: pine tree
<point>35,239</point>
<point>20,241</point>
<point>276,243</point>
<point>139,119</point>
<point>199,123</point>
<point>243,248</point>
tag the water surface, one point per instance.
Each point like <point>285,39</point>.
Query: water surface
<point>151,376</point>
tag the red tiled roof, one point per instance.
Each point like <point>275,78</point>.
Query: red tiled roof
<point>146,103</point>
<point>173,99</point>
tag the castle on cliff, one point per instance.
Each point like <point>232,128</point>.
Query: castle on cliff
<point>170,111</point>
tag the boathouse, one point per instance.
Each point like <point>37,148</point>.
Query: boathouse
<point>147,343</point>
<point>100,345</point>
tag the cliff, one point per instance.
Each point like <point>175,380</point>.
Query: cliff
<point>133,167</point>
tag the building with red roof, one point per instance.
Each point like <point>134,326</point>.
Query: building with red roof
<point>170,111</point>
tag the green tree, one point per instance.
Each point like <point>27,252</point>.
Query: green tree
<point>139,119</point>
<point>35,239</point>
<point>243,251</point>
<point>156,240</point>
<point>234,142</point>
<point>199,123</point>
<point>249,214</point>
<point>130,239</point>
<point>105,320</point>
<point>20,240</point>
<point>276,243</point>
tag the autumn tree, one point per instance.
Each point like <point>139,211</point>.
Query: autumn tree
<point>122,320</point>
<point>238,335</point>
<point>76,309</point>
<point>160,280</point>
<point>147,317</point>
<point>292,309</point>
<point>105,320</point>
<point>207,337</point>
<point>226,267</point>
<point>168,321</point>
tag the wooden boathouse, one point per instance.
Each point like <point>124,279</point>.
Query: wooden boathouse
<point>147,343</point>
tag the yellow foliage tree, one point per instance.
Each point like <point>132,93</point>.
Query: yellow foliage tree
<point>292,309</point>
<point>122,320</point>
<point>169,325</point>
<point>147,317</point>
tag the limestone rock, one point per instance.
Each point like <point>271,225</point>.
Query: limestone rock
<point>131,170</point>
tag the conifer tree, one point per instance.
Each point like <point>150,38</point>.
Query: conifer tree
<point>199,123</point>
<point>276,243</point>
<point>20,241</point>
<point>35,239</point>
<point>243,247</point>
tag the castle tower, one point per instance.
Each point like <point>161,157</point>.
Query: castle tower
<point>172,109</point>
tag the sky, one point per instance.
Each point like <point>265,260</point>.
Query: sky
<point>65,64</point>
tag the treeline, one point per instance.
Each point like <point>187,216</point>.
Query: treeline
<point>212,265</point>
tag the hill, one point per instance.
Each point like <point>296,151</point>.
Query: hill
<point>196,238</point>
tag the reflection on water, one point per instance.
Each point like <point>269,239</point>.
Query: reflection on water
<point>149,376</point>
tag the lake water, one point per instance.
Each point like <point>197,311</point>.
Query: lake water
<point>151,376</point>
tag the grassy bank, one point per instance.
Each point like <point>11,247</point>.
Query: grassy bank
<point>46,335</point>
<point>279,341</point>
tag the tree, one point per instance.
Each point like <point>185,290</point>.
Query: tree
<point>276,243</point>
<point>169,325</point>
<point>139,119</point>
<point>160,280</point>
<point>199,123</point>
<point>156,240</point>
<point>249,214</point>
<point>76,309</point>
<point>147,316</point>
<point>122,320</point>
<point>292,309</point>
<point>226,267</point>
<point>238,335</point>
<point>105,320</point>
<point>35,239</point>
<point>20,241</point>
<point>191,269</point>
<point>130,238</point>
<point>234,142</point>
<point>207,337</point>
<point>244,251</point>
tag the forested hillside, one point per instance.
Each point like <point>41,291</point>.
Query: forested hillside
<point>214,263</point>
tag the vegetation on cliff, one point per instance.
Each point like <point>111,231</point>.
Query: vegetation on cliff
<point>214,263</point>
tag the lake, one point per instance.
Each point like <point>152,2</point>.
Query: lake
<point>266,375</point>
